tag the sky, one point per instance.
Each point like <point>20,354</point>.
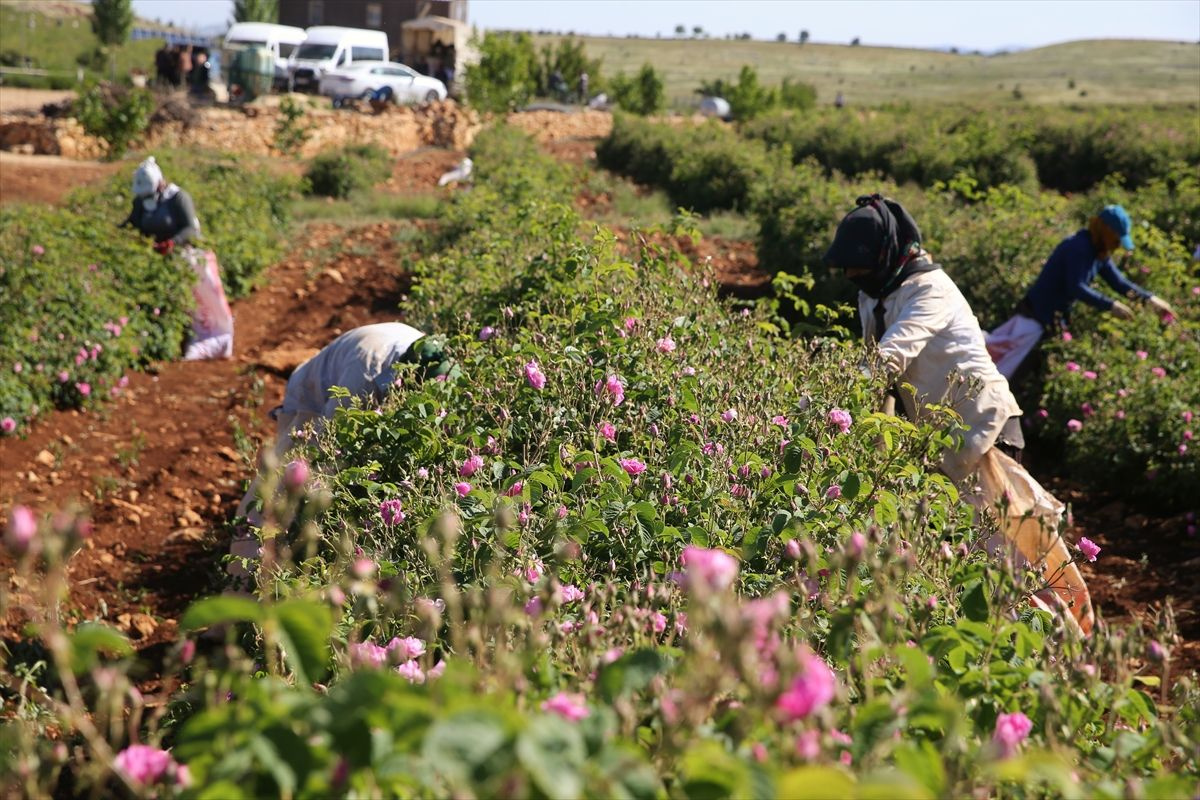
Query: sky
<point>968,24</point>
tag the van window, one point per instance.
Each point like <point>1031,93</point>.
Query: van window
<point>286,49</point>
<point>341,59</point>
<point>316,52</point>
<point>367,54</point>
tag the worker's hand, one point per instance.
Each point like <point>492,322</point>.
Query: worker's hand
<point>1121,311</point>
<point>1161,306</point>
<point>165,247</point>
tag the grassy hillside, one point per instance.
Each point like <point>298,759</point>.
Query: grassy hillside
<point>57,36</point>
<point>1108,71</point>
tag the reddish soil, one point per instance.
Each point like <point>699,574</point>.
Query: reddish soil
<point>47,179</point>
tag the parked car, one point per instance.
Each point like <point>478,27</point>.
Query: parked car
<point>328,48</point>
<point>358,80</point>
<point>281,40</point>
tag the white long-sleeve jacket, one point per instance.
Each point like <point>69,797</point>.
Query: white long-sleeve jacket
<point>933,341</point>
<point>360,360</point>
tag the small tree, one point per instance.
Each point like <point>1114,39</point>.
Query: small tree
<point>505,75</point>
<point>803,37</point>
<point>642,94</point>
<point>256,11</point>
<point>111,22</point>
<point>697,30</point>
<point>781,37</point>
<point>680,30</point>
<point>748,98</point>
<point>854,42</point>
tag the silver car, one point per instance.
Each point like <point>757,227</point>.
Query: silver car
<point>365,78</point>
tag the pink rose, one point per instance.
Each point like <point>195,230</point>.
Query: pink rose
<point>1142,355</point>
<point>22,527</point>
<point>38,250</point>
<point>571,707</point>
<point>411,672</point>
<point>779,420</point>
<point>729,415</point>
<point>833,492</point>
<point>840,419</point>
<point>471,466</point>
<point>84,389</point>
<point>8,425</point>
<point>295,475</point>
<point>533,374</point>
<point>810,691</point>
<point>391,512</point>
<point>608,431</point>
<point>144,765</point>
<point>665,345</point>
<point>463,488</point>
<point>712,569</point>
<point>1074,425</point>
<point>1159,372</point>
<point>632,466</point>
<point>1072,366</point>
<point>1089,548</point>
<point>571,593</point>
<point>792,549</point>
<point>1011,730</point>
<point>404,649</point>
<point>613,387</point>
<point>1089,374</point>
<point>487,332</point>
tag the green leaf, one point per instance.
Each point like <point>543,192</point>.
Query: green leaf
<point>975,602</point>
<point>553,753</point>
<point>219,610</point>
<point>305,628</point>
<point>222,790</point>
<point>817,783</point>
<point>630,673</point>
<point>266,754</point>
<point>90,639</point>
<point>921,761</point>
<point>458,744</point>
<point>851,486</point>
<point>780,521</point>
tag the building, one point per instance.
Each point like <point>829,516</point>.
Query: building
<point>380,15</point>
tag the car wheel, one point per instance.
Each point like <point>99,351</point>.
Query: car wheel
<point>431,96</point>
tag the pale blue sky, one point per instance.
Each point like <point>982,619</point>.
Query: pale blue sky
<point>968,24</point>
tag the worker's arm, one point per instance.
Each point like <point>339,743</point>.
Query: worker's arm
<point>187,211</point>
<point>1078,283</point>
<point>924,313</point>
<point>1116,279</point>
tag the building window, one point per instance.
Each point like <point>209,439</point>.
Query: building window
<point>374,15</point>
<point>316,12</point>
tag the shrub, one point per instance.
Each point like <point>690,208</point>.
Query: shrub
<point>505,77</point>
<point>341,173</point>
<point>642,94</point>
<point>115,114</point>
<point>291,132</point>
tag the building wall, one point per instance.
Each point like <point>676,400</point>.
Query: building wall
<point>354,13</point>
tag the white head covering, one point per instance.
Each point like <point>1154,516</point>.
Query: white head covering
<point>147,178</point>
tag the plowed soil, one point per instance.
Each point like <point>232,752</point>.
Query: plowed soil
<point>161,469</point>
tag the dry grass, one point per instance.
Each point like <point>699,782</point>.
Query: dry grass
<point>1108,71</point>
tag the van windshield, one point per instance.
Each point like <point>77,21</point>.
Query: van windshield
<point>285,49</point>
<point>316,52</point>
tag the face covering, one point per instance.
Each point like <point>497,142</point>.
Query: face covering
<point>879,236</point>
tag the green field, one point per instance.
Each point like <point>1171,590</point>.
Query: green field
<point>57,37</point>
<point>1108,71</point>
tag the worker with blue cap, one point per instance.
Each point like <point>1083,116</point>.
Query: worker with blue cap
<point>1066,277</point>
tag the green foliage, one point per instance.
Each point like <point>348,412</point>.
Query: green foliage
<point>114,114</point>
<point>505,76</point>
<point>748,98</point>
<point>291,131</point>
<point>640,94</point>
<point>112,20</point>
<point>82,298</point>
<point>341,173</point>
<point>256,11</point>
<point>570,59</point>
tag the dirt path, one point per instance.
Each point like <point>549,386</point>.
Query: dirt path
<point>12,99</point>
<point>47,179</point>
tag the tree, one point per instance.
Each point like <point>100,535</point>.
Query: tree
<point>680,30</point>
<point>642,94</point>
<point>506,74</point>
<point>803,37</point>
<point>256,11</point>
<point>781,37</point>
<point>697,30</point>
<point>111,22</point>
<point>854,42</point>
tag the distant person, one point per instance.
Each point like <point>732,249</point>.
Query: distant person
<point>583,87</point>
<point>185,64</point>
<point>198,77</point>
<point>1066,277</point>
<point>839,101</point>
<point>162,66</point>
<point>558,85</point>
<point>166,212</point>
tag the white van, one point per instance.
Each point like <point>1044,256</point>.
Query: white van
<point>281,40</point>
<point>327,47</point>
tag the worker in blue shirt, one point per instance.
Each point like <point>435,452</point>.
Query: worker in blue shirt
<point>1066,277</point>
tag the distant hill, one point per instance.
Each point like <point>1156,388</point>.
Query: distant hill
<point>1096,71</point>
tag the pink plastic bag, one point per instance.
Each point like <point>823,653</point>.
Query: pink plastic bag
<point>212,321</point>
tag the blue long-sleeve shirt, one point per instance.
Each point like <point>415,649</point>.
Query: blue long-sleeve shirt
<point>1067,276</point>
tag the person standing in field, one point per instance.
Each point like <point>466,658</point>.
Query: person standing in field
<point>927,338</point>
<point>166,212</point>
<point>1067,276</point>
